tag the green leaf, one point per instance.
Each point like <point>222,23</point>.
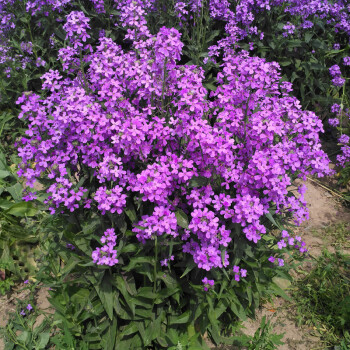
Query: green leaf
<point>131,328</point>
<point>81,296</point>
<point>129,248</point>
<point>285,63</point>
<point>155,326</point>
<point>270,217</point>
<point>146,292</point>
<point>104,291</point>
<point>199,181</point>
<point>43,340</point>
<point>189,268</point>
<point>22,209</point>
<point>236,307</point>
<point>4,174</point>
<point>131,213</point>
<point>5,204</point>
<point>110,336</point>
<point>139,260</point>
<point>213,35</point>
<point>279,291</point>
<point>182,219</point>
<point>166,293</point>
<point>211,87</point>
<point>24,337</point>
<point>122,287</point>
<point>183,318</point>
<point>15,191</point>
<point>308,37</point>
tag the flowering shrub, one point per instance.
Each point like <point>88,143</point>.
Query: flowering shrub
<point>171,156</point>
<point>141,125</point>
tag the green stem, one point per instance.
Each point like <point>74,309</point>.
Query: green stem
<point>87,89</point>
<point>155,265</point>
<point>341,110</point>
<point>32,40</point>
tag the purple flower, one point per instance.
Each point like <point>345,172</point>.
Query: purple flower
<point>284,234</point>
<point>207,284</point>
<point>338,81</point>
<point>164,262</point>
<point>243,273</point>
<point>289,29</point>
<point>335,70</point>
<point>145,128</point>
<point>29,307</point>
<point>344,139</point>
<point>27,47</point>
<point>236,269</point>
<point>346,61</point>
<point>239,273</point>
<point>40,62</point>
<point>106,255</point>
<point>75,27</point>
<point>70,246</point>
<point>281,244</point>
<point>333,122</point>
<point>335,108</point>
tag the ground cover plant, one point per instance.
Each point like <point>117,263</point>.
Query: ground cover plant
<point>163,153</point>
<point>323,299</point>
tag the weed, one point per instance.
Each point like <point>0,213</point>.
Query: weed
<point>338,235</point>
<point>323,298</point>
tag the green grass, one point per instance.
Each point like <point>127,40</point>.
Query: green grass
<point>337,235</point>
<point>323,299</point>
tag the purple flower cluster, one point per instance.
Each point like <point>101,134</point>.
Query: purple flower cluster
<point>239,273</point>
<point>289,29</point>
<point>106,255</point>
<point>207,284</point>
<point>333,122</point>
<point>29,308</point>
<point>280,261</point>
<point>112,200</point>
<point>335,108</point>
<point>336,75</point>
<point>76,28</point>
<point>165,262</point>
<point>344,158</point>
<point>147,130</point>
<point>162,221</point>
<point>27,47</point>
<point>344,139</point>
<point>293,242</point>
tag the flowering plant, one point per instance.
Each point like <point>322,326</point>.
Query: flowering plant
<point>185,182</point>
<point>171,176</point>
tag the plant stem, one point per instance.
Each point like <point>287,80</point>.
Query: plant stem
<point>155,265</point>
